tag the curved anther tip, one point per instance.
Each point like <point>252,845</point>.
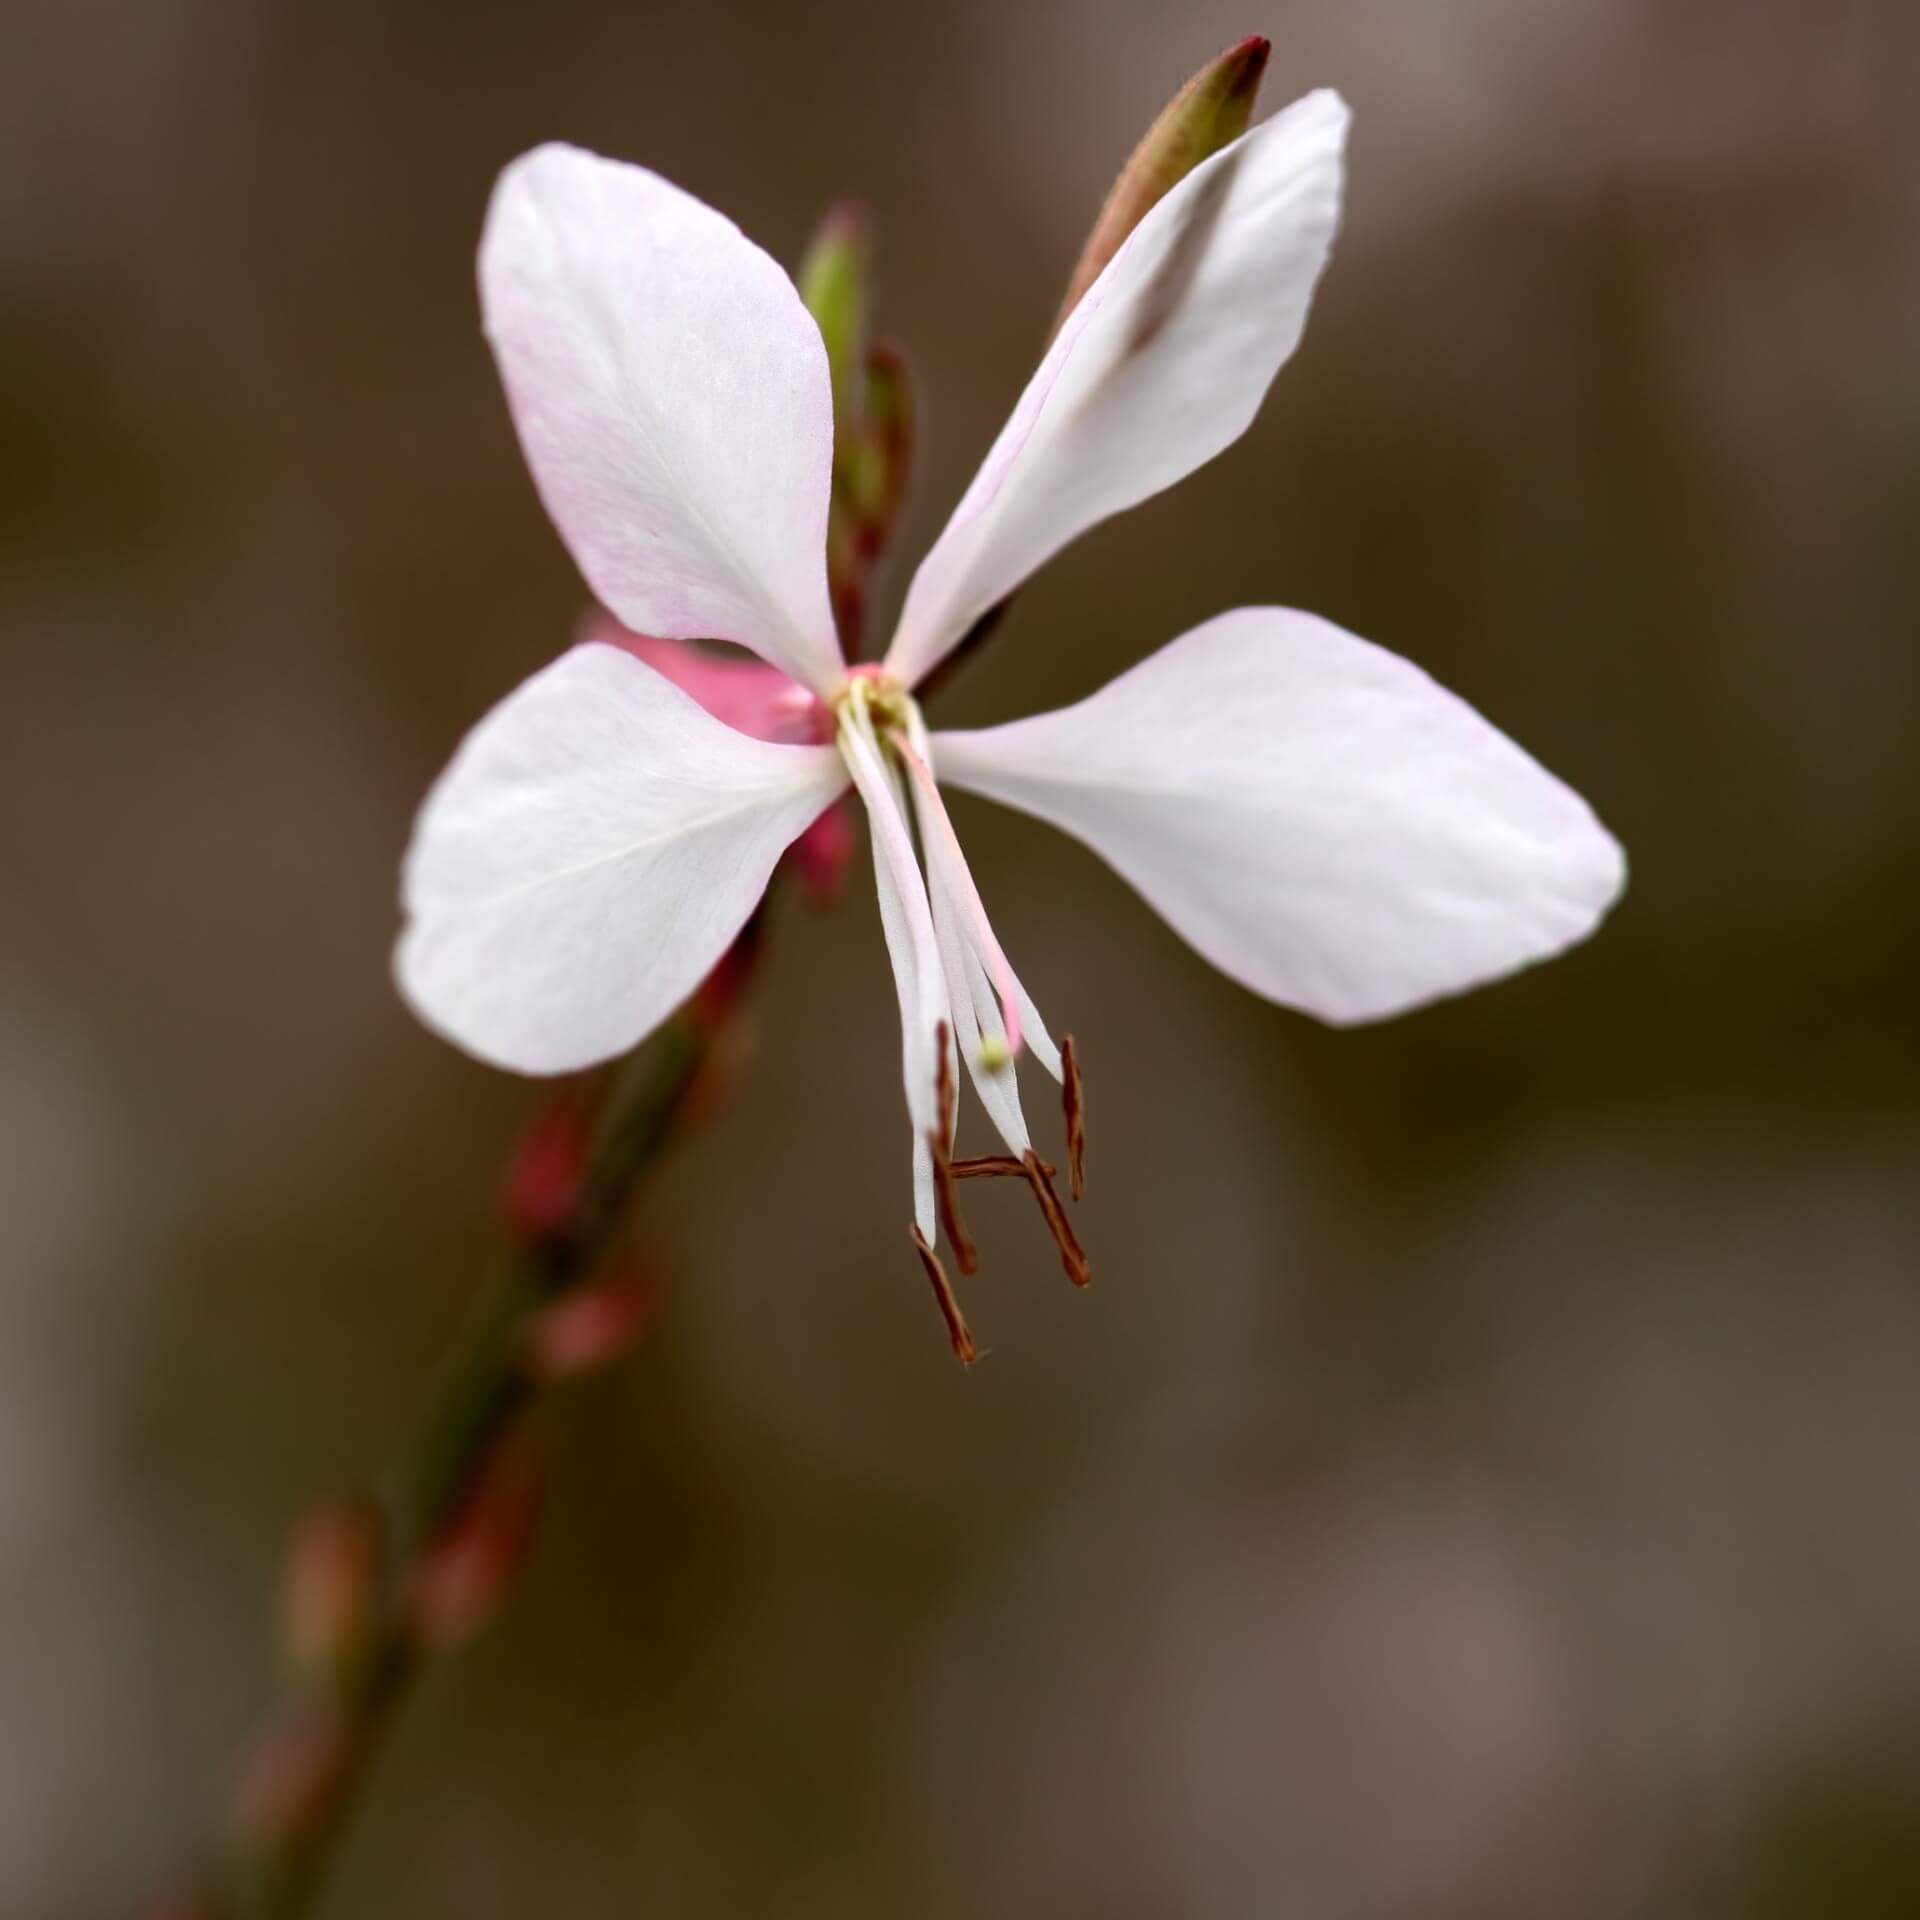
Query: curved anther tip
<point>958,1333</point>
<point>1074,1100</point>
<point>1072,1255</point>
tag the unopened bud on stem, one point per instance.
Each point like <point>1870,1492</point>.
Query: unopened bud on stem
<point>833,281</point>
<point>332,1581</point>
<point>589,1326</point>
<point>464,1573</point>
<point>549,1165</point>
<point>1210,112</point>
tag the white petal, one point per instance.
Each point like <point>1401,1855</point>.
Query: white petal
<point>590,853</point>
<point>673,400</point>
<point>1314,814</point>
<point>1162,364</point>
<point>913,950</point>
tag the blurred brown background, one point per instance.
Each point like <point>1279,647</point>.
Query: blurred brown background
<point>1483,1481</point>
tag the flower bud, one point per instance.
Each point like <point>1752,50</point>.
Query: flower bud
<point>292,1780</point>
<point>332,1581</point>
<point>1211,111</point>
<point>464,1573</point>
<point>589,1326</point>
<point>834,281</point>
<point>549,1164</point>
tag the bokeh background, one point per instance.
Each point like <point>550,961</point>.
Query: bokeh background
<point>1485,1479</point>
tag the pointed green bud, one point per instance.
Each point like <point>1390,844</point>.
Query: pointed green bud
<point>1210,112</point>
<point>834,283</point>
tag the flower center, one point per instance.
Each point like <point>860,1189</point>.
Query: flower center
<point>959,998</point>
<point>874,700</point>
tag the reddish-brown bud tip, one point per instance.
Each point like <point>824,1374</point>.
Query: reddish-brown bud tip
<point>1244,64</point>
<point>332,1580</point>
<point>847,223</point>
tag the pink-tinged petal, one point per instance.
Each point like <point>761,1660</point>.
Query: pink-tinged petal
<point>593,848</point>
<point>1162,364</point>
<point>746,693</point>
<point>1318,817</point>
<point>673,402</point>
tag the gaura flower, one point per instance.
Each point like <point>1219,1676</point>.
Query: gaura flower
<point>1315,815</point>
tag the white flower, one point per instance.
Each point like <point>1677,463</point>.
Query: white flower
<point>1315,815</point>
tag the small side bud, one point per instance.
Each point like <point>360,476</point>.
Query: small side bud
<point>834,281</point>
<point>464,1574</point>
<point>332,1581</point>
<point>589,1327</point>
<point>549,1165</point>
<point>1210,112</point>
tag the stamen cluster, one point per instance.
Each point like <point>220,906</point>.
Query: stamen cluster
<point>889,756</point>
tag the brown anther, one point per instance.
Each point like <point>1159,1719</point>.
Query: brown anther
<point>940,1143</point>
<point>1072,1257</point>
<point>963,1348</point>
<point>995,1165</point>
<point>1074,1099</point>
<point>949,1203</point>
<point>943,1092</point>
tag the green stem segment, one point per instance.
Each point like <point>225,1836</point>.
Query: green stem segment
<point>461,1506</point>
